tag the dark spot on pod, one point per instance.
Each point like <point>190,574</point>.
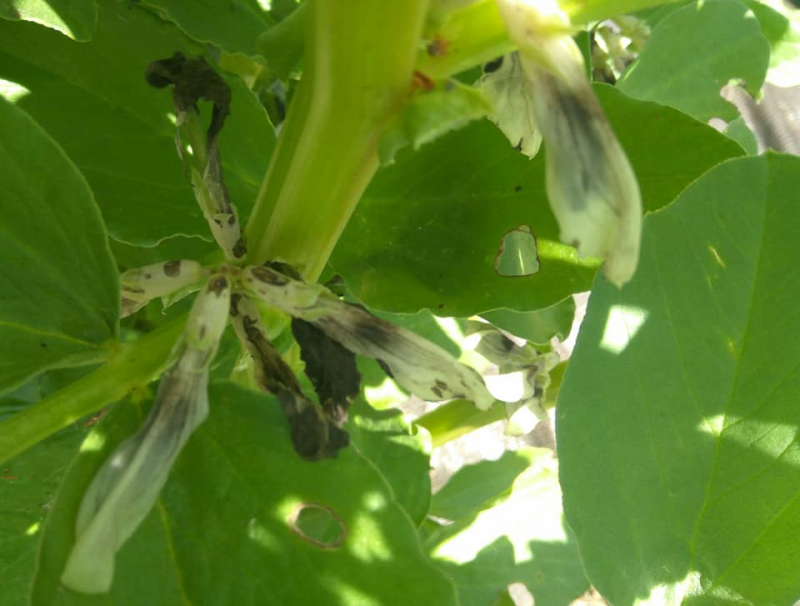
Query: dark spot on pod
<point>202,331</point>
<point>440,306</point>
<point>147,276</point>
<point>441,385</point>
<point>493,65</point>
<point>269,276</point>
<point>437,392</point>
<point>217,285</point>
<point>43,344</point>
<point>518,188</point>
<point>172,268</point>
<point>231,220</point>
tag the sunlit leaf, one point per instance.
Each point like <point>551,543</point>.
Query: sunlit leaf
<point>677,417</point>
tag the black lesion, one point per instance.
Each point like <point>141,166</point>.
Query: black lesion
<point>330,367</point>
<point>493,65</point>
<point>315,435</point>
<point>269,276</point>
<point>193,79</point>
<point>217,285</point>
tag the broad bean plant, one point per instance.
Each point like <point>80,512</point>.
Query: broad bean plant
<point>243,243</point>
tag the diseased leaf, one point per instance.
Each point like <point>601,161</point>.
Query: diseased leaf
<point>94,101</point>
<point>225,531</point>
<point>677,418</point>
<point>429,227</point>
<point>693,52</point>
<point>59,293</point>
<point>75,19</point>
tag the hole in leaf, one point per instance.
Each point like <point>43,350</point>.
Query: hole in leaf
<point>518,255</point>
<point>318,524</point>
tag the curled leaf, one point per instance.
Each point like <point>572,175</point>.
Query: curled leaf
<point>127,485</point>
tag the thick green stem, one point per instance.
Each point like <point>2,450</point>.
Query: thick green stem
<point>476,34</point>
<point>132,366</point>
<point>358,72</point>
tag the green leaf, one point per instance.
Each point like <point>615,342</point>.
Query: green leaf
<point>473,487</point>
<point>93,99</point>
<point>75,19</point>
<point>28,486</point>
<point>536,326</point>
<point>59,290</point>
<point>430,114</point>
<point>397,451</point>
<point>233,25</point>
<point>222,531</point>
<point>677,419</point>
<point>520,539</point>
<point>693,52</point>
<point>428,229</point>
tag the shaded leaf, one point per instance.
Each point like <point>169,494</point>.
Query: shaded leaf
<point>677,419</point>
<point>28,485</point>
<point>693,52</point>
<point>536,326</point>
<point>223,531</point>
<point>474,487</point>
<point>233,25</point>
<point>94,100</point>
<point>397,451</point>
<point>59,293</point>
<point>75,19</point>
<point>429,227</point>
<point>520,539</point>
<point>429,114</point>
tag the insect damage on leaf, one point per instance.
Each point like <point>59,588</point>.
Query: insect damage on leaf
<point>331,368</point>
